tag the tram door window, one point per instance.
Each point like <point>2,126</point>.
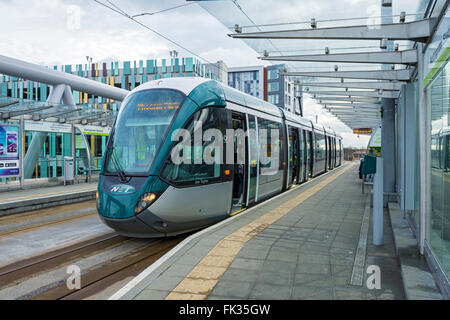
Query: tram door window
<point>302,148</point>
<point>334,153</point>
<point>238,123</point>
<point>329,152</point>
<point>310,152</point>
<point>294,159</point>
<point>254,160</point>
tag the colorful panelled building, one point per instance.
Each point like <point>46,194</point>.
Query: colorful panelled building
<point>126,75</point>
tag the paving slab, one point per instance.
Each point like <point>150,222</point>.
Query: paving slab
<point>299,245</point>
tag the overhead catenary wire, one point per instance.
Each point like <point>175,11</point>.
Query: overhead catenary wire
<point>164,10</point>
<point>118,10</point>
<point>254,24</point>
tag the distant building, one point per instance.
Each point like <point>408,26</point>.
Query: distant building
<point>282,90</point>
<point>248,79</point>
<point>127,75</point>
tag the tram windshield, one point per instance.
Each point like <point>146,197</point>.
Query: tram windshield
<point>140,128</point>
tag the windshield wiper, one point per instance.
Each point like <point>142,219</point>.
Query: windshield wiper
<point>120,172</point>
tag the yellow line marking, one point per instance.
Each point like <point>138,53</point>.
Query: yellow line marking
<point>203,278</point>
<point>46,194</point>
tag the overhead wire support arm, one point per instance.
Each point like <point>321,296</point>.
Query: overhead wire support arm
<point>419,31</point>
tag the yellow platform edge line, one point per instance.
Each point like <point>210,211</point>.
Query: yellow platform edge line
<point>206,274</point>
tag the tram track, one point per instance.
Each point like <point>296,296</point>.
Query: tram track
<point>36,219</point>
<point>93,280</point>
<point>16,271</point>
<point>98,279</point>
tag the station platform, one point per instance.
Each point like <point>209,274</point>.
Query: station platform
<point>16,201</point>
<point>311,242</point>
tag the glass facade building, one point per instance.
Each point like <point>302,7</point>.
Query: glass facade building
<point>281,89</point>
<point>248,79</point>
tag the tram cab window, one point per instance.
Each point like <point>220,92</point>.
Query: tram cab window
<point>197,164</point>
<point>140,129</point>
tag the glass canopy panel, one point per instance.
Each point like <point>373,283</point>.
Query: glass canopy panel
<point>44,111</point>
<point>275,15</point>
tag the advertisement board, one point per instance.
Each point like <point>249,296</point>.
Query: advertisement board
<point>9,151</point>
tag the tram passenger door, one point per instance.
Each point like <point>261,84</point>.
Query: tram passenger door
<point>294,159</point>
<point>240,160</point>
<point>310,153</point>
<point>253,163</point>
<point>302,160</point>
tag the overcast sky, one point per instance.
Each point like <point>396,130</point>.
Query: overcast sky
<point>56,32</point>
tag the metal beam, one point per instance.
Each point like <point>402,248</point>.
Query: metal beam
<point>378,94</point>
<point>358,119</point>
<point>353,111</point>
<point>29,71</point>
<point>57,114</point>
<point>341,99</point>
<point>418,31</point>
<point>14,113</point>
<point>396,75</point>
<point>85,116</point>
<point>354,115</point>
<point>2,105</point>
<point>356,85</point>
<point>391,57</point>
<point>337,104</point>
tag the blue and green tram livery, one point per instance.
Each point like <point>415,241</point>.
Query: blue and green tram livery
<point>143,193</point>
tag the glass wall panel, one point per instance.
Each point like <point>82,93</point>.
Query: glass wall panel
<point>439,102</point>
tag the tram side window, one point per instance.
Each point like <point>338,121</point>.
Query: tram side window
<point>320,146</point>
<point>270,144</point>
<point>197,164</point>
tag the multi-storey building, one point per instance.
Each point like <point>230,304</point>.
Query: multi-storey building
<point>268,84</point>
<point>282,90</point>
<point>126,75</point>
<point>249,79</point>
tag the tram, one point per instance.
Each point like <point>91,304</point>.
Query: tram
<point>259,151</point>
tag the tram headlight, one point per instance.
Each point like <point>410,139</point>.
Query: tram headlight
<point>97,200</point>
<point>144,202</point>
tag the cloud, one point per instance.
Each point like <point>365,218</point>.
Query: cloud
<point>326,119</point>
<point>56,32</point>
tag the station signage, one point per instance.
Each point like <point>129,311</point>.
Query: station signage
<point>9,151</point>
<point>79,142</point>
<point>362,130</point>
<point>94,130</point>
<point>375,140</point>
<point>42,126</point>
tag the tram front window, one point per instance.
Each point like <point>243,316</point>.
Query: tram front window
<point>140,128</point>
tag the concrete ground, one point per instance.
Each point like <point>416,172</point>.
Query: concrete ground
<point>305,244</point>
